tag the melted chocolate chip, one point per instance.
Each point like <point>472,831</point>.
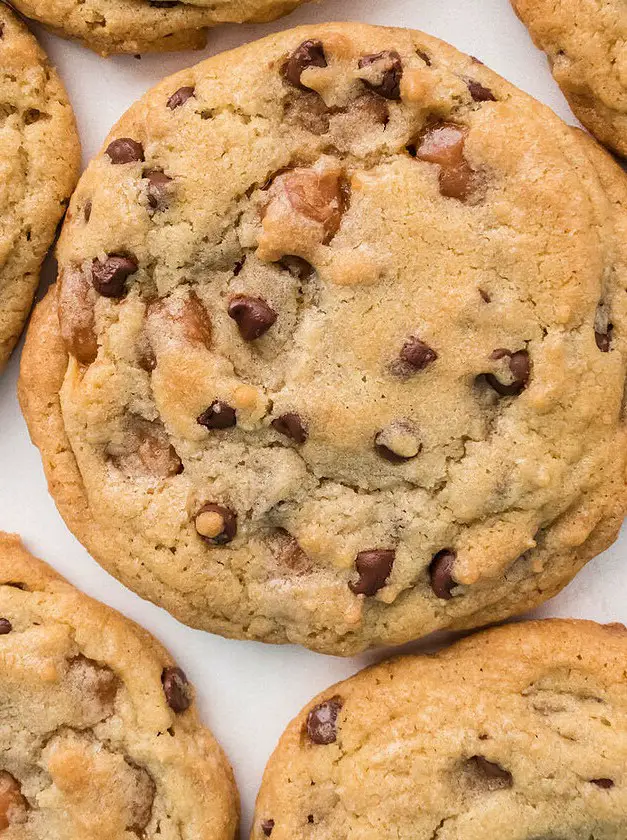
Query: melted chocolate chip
<point>398,442</point>
<point>5,626</point>
<point>322,721</point>
<point>267,826</point>
<point>390,69</point>
<point>415,355</point>
<point>606,784</point>
<point>157,188</point>
<point>177,689</point>
<point>297,267</point>
<point>441,574</point>
<point>180,97</point>
<point>604,340</point>
<point>252,315</point>
<point>443,143</point>
<point>518,364</point>
<point>308,54</point>
<point>215,524</point>
<point>219,415</point>
<point>87,210</point>
<point>291,426</point>
<point>496,775</point>
<point>125,150</point>
<point>374,567</point>
<point>109,277</point>
<point>480,93</point>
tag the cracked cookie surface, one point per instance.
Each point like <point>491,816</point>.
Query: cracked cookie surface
<point>515,733</point>
<point>337,352</point>
<point>136,26</point>
<point>586,44</point>
<point>99,739</point>
<point>39,160</point>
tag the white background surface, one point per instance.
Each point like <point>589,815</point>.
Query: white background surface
<point>247,691</point>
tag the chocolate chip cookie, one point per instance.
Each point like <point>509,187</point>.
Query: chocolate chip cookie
<point>586,44</point>
<point>136,26</point>
<point>514,733</point>
<point>99,738</point>
<point>337,351</point>
<point>39,159</point>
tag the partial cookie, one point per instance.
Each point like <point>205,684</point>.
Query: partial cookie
<point>515,733</point>
<point>136,26</point>
<point>39,165</point>
<point>337,354</point>
<point>586,44</point>
<point>99,738</point>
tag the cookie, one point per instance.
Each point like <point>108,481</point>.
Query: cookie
<point>514,733</point>
<point>337,351</point>
<point>137,26</point>
<point>100,738</point>
<point>39,160</point>
<point>586,44</point>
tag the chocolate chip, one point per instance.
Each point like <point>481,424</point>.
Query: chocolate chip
<point>5,626</point>
<point>297,267</point>
<point>441,573</point>
<point>478,92</point>
<point>219,415</point>
<point>308,54</point>
<point>157,188</point>
<point>322,721</point>
<point>423,55</point>
<point>291,426</point>
<point>180,97</point>
<point>606,784</point>
<point>604,340</point>
<point>176,688</point>
<point>252,315</point>
<point>494,773</point>
<point>125,150</point>
<point>374,567</point>
<point>215,524</point>
<point>415,355</point>
<point>267,826</point>
<point>443,144</point>
<point>109,277</point>
<point>518,364</point>
<point>485,297</point>
<point>87,210</point>
<point>389,71</point>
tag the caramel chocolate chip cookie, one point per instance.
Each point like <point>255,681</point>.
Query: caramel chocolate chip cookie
<point>354,370</point>
<point>39,160</point>
<point>100,738</point>
<point>137,26</point>
<point>514,733</point>
<point>586,44</point>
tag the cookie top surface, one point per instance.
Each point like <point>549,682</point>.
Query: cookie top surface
<point>344,367</point>
<point>39,160</point>
<point>586,43</point>
<point>515,733</point>
<point>100,738</point>
<point>136,26</point>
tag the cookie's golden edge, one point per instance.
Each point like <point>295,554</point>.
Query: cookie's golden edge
<point>55,173</point>
<point>138,660</point>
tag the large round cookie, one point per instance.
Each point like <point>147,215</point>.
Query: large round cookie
<point>136,26</point>
<point>39,160</point>
<point>99,739</point>
<point>586,43</point>
<point>344,367</point>
<point>515,733</point>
